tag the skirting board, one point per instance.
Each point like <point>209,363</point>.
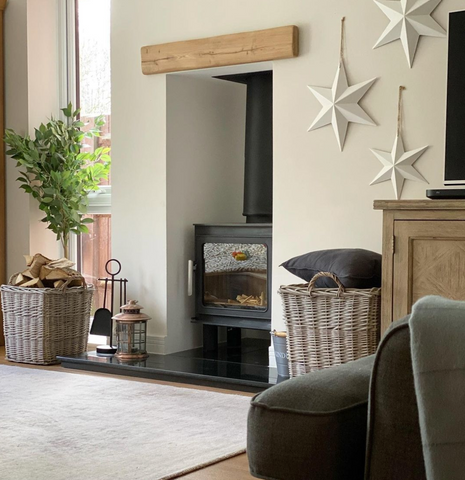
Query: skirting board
<point>156,344</point>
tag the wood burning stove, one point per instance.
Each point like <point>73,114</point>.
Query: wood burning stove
<point>233,262</point>
<point>232,280</point>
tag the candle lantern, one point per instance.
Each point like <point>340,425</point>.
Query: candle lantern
<point>131,332</point>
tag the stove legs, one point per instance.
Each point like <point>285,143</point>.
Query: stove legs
<point>233,337</point>
<point>210,337</point>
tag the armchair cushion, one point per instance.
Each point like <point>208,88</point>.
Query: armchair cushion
<point>312,427</point>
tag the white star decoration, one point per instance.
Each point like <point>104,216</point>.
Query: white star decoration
<point>398,166</point>
<point>408,20</point>
<point>340,105</point>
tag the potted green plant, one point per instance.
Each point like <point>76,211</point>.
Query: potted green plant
<point>57,171</point>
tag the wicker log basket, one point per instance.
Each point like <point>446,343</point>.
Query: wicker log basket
<point>329,326</point>
<point>41,323</point>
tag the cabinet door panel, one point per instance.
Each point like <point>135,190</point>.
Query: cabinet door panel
<point>429,260</point>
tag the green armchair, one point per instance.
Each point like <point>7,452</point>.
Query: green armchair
<point>353,422</point>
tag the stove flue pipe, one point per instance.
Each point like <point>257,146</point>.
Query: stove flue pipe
<point>258,154</point>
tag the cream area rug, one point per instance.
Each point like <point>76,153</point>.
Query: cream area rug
<point>67,426</point>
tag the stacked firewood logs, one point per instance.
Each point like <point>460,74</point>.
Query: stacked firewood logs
<point>41,272</point>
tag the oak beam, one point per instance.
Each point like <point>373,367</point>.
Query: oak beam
<point>234,49</point>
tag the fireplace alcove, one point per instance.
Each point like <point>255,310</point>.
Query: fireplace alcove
<point>233,261</point>
<point>206,119</point>
<point>205,184</point>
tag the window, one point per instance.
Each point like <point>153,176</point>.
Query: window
<point>93,97</point>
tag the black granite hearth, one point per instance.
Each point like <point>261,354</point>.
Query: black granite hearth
<point>244,369</point>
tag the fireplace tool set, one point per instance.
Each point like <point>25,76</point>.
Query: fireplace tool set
<point>131,324</point>
<point>103,317</point>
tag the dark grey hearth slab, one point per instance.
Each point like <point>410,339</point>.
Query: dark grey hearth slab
<point>226,370</point>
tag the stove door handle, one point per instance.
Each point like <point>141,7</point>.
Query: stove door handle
<point>190,277</point>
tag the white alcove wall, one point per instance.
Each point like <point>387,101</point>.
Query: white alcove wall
<point>205,134</point>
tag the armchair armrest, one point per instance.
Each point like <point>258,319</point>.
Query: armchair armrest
<point>312,427</point>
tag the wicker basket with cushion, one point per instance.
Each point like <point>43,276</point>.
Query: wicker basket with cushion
<point>329,326</point>
<point>41,323</point>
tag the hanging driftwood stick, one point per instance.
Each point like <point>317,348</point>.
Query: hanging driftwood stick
<point>341,48</point>
<point>399,111</point>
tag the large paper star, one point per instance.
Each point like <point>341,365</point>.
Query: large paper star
<point>398,166</point>
<point>408,20</point>
<point>340,105</point>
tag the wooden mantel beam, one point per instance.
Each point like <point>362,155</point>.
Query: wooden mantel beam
<point>235,49</point>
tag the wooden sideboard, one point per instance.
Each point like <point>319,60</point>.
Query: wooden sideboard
<point>423,253</point>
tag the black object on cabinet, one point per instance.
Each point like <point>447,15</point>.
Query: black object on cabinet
<point>454,173</point>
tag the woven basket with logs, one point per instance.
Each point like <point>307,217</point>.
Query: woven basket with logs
<point>46,312</point>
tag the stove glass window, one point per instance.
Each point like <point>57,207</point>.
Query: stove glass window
<point>235,275</point>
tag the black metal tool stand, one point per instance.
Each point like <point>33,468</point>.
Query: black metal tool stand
<point>111,304</point>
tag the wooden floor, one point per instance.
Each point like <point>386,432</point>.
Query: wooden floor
<point>233,469</point>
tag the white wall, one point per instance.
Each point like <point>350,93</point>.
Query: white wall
<point>205,181</point>
<point>32,93</point>
<point>321,196</point>
<point>16,117</point>
<point>44,69</point>
<point>139,174</point>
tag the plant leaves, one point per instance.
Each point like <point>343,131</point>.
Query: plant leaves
<point>57,173</point>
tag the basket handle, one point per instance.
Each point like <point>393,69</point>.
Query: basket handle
<point>311,284</point>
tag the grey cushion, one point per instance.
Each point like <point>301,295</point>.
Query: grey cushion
<point>312,427</point>
<point>394,443</point>
<point>355,267</point>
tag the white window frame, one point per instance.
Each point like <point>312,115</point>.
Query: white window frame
<point>67,46</point>
<point>99,201</point>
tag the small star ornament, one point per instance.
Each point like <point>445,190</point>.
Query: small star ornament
<point>409,19</point>
<point>340,105</point>
<point>398,166</point>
